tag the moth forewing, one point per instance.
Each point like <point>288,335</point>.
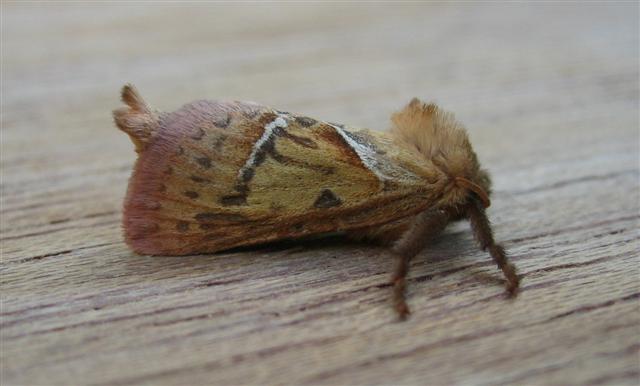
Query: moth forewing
<point>223,174</point>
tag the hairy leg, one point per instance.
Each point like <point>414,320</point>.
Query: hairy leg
<point>425,227</point>
<point>484,235</point>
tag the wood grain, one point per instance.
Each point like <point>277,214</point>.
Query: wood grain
<point>550,97</point>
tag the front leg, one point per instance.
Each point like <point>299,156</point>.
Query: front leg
<point>424,228</point>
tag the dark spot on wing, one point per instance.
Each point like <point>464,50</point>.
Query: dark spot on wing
<point>198,179</point>
<point>389,185</point>
<point>247,174</point>
<point>234,200</point>
<point>191,194</point>
<point>327,199</point>
<point>302,141</point>
<point>182,226</point>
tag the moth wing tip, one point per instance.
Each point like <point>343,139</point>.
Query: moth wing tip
<point>132,98</point>
<point>138,120</point>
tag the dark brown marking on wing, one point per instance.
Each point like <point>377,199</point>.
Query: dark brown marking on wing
<point>389,185</point>
<point>168,171</point>
<point>198,179</point>
<point>234,200</point>
<point>330,135</point>
<point>327,199</point>
<point>242,189</point>
<point>180,150</point>
<point>191,194</point>
<point>182,226</point>
<point>285,160</point>
<point>207,217</point>
<point>205,162</point>
<point>208,227</point>
<point>305,121</point>
<point>245,177</point>
<point>302,141</point>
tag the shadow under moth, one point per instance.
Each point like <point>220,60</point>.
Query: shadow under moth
<point>215,175</point>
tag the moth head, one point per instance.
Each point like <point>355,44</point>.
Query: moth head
<point>442,140</point>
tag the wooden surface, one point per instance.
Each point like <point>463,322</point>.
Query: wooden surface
<point>549,94</point>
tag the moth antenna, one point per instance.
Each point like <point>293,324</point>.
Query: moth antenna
<point>484,235</point>
<point>138,120</point>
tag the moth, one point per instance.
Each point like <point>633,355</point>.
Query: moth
<point>215,175</point>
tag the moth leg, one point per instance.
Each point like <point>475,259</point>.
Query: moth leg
<point>484,235</point>
<point>425,227</point>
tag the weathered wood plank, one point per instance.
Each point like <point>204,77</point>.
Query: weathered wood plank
<point>550,96</point>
